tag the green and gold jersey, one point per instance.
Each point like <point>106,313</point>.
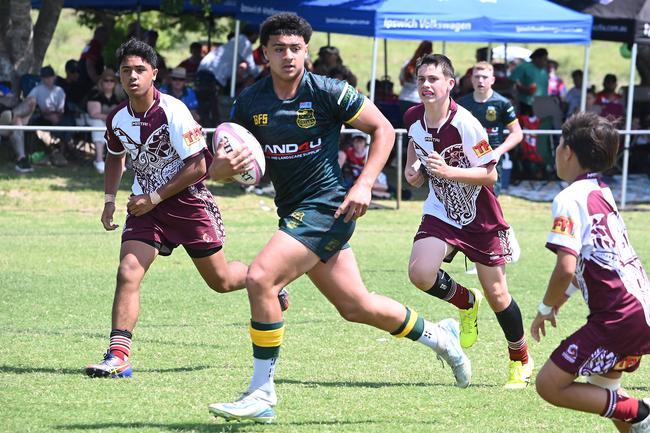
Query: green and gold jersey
<point>495,114</point>
<point>300,137</point>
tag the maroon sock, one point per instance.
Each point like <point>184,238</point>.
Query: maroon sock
<point>449,290</point>
<point>518,351</point>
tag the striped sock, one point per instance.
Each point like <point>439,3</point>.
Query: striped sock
<point>120,343</point>
<point>518,350</point>
<point>412,327</point>
<point>621,407</point>
<point>266,338</point>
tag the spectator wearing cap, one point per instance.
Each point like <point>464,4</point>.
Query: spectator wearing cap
<point>50,107</point>
<point>178,89</point>
<point>531,80</point>
<point>191,64</point>
<point>15,112</point>
<point>100,102</point>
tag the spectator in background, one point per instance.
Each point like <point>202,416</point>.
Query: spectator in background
<point>609,101</point>
<point>465,83</point>
<point>328,57</point>
<point>100,103</point>
<point>151,38</point>
<point>343,73</point>
<point>14,112</point>
<point>219,63</point>
<point>91,61</point>
<point>179,90</point>
<point>556,86</point>
<point>50,103</point>
<point>574,95</point>
<point>408,96</point>
<point>75,93</point>
<point>531,80</point>
<point>191,64</point>
<point>352,159</point>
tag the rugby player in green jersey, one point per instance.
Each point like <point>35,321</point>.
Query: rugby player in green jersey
<point>297,117</point>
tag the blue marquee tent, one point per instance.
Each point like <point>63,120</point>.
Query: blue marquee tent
<point>458,20</point>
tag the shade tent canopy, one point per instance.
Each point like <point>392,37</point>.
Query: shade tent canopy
<point>616,20</point>
<point>459,20</point>
<point>223,7</point>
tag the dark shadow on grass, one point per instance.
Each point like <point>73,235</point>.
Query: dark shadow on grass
<point>218,426</point>
<point>364,384</point>
<point>79,371</point>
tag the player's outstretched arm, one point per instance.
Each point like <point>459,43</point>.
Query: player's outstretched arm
<point>511,141</point>
<point>555,296</point>
<point>373,122</point>
<point>194,168</point>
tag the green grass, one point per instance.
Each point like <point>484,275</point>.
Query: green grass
<point>191,346</point>
<point>356,51</point>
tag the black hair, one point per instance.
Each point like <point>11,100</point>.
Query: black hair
<point>134,47</point>
<point>437,60</point>
<point>593,139</point>
<point>286,24</point>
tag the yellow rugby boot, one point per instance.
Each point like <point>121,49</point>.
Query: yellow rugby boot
<point>519,374</point>
<point>469,321</point>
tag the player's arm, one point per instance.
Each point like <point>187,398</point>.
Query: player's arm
<point>555,296</point>
<point>483,175</point>
<point>412,172</point>
<point>371,121</point>
<point>227,164</point>
<point>112,178</point>
<point>511,141</point>
<point>193,169</point>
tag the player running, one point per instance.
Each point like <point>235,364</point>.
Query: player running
<point>169,205</point>
<point>448,148</point>
<point>297,116</point>
<point>593,250</point>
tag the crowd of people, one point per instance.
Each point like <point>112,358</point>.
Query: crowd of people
<point>535,89</point>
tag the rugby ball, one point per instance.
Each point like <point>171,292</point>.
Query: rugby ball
<point>233,136</point>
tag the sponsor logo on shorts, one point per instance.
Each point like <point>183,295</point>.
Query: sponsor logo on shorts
<point>192,136</point>
<point>491,114</point>
<point>207,238</point>
<point>306,118</point>
<point>599,362</point>
<point>332,245</point>
<point>482,148</point>
<point>627,362</point>
<point>295,219</point>
<point>261,119</point>
<point>563,225</point>
<point>571,353</point>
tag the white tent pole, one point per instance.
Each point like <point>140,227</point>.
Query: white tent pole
<point>489,52</point>
<point>585,79</point>
<point>373,74</point>
<point>628,125</point>
<point>233,76</point>
<point>444,48</point>
<point>505,54</point>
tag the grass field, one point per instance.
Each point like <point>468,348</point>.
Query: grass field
<point>356,51</point>
<point>191,346</point>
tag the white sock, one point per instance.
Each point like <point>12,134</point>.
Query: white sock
<point>433,336</point>
<point>263,375</point>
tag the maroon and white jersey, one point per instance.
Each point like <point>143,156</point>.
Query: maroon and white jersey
<point>462,142</point>
<point>586,224</point>
<point>158,140</point>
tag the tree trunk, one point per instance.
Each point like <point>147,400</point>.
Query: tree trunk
<point>22,44</point>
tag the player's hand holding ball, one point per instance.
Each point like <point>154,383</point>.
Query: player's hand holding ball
<point>225,165</point>
<point>237,155</point>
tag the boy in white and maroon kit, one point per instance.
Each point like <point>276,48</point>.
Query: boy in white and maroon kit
<point>593,249</point>
<point>449,148</point>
